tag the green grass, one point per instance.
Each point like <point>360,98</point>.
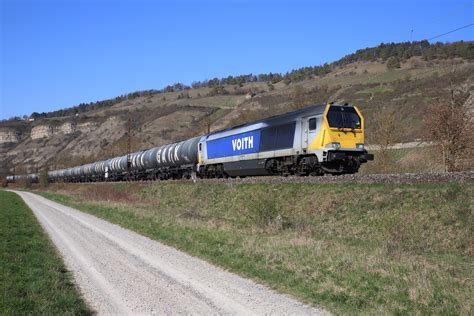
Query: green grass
<point>221,101</point>
<point>375,90</point>
<point>33,279</point>
<point>390,76</point>
<point>353,248</point>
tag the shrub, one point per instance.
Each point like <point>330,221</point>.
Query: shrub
<point>24,183</point>
<point>43,178</point>
<point>393,63</point>
<point>268,214</point>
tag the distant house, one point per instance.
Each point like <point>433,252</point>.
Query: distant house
<point>249,95</point>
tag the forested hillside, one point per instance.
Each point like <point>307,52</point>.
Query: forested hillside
<point>401,79</point>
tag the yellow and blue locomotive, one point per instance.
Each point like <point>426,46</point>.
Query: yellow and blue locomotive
<point>315,140</point>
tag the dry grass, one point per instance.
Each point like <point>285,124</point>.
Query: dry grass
<point>405,160</point>
<point>102,192</point>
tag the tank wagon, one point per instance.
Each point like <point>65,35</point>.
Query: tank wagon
<point>312,141</point>
<point>32,177</point>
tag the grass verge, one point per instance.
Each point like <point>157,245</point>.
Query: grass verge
<point>354,248</point>
<point>33,278</point>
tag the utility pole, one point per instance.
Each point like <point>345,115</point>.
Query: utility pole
<point>129,147</point>
<point>129,138</point>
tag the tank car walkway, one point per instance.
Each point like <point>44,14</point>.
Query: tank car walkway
<point>121,272</point>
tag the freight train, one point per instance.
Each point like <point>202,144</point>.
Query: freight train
<point>316,140</point>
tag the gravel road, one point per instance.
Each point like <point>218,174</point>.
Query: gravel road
<point>121,272</point>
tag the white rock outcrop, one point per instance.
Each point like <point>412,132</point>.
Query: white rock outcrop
<point>46,131</point>
<point>9,136</point>
<point>42,131</point>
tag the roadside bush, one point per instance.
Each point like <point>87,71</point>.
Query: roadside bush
<point>43,178</point>
<point>267,213</point>
<point>24,183</point>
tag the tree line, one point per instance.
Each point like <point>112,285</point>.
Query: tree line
<point>392,53</point>
<point>383,52</point>
<point>406,50</point>
<point>86,107</point>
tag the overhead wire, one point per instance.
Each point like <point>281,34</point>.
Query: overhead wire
<point>449,32</point>
<point>443,68</point>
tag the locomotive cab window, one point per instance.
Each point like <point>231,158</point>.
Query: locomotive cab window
<point>343,117</point>
<point>312,124</point>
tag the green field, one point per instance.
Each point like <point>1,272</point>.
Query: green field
<point>33,278</point>
<point>352,248</point>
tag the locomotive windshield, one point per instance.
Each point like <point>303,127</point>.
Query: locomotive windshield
<point>343,117</point>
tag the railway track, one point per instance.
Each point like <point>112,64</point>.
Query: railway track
<point>399,178</point>
<point>396,178</point>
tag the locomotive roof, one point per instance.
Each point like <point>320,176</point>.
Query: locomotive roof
<point>281,118</point>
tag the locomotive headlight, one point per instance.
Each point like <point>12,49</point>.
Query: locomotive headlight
<point>335,145</point>
<point>360,146</point>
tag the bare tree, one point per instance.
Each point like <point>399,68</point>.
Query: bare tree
<point>386,131</point>
<point>299,97</point>
<point>206,123</point>
<point>450,126</point>
<point>43,178</point>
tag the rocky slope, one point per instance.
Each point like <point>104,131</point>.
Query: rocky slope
<point>166,117</point>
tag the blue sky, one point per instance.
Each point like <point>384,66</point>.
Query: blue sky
<point>56,54</point>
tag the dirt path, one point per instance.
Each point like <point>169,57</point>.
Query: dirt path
<point>418,144</point>
<point>121,272</point>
